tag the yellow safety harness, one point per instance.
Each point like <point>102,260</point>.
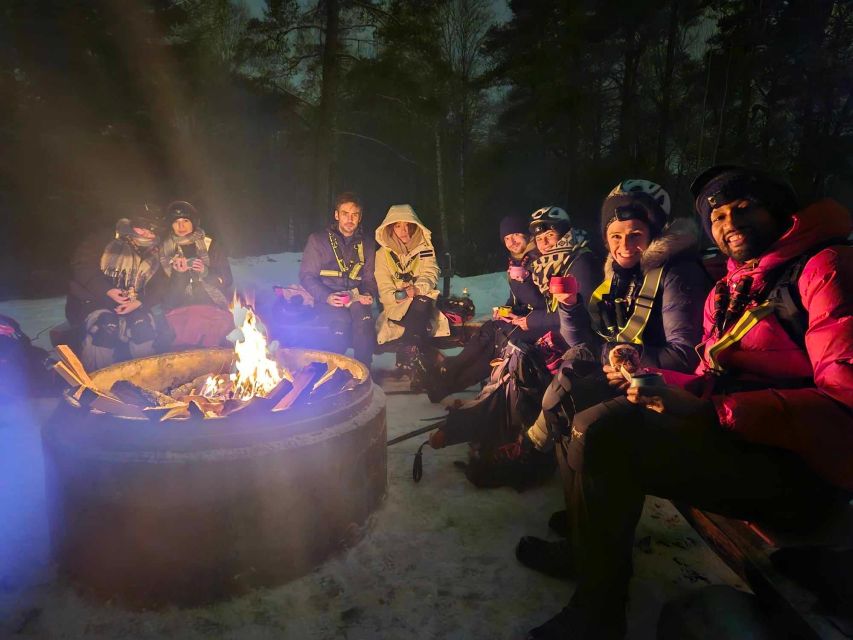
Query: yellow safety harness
<point>736,332</point>
<point>643,304</point>
<point>400,273</point>
<point>351,270</point>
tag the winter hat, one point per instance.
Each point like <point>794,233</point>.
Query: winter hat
<point>635,199</point>
<point>725,183</point>
<point>181,209</point>
<point>513,224</point>
<point>125,229</point>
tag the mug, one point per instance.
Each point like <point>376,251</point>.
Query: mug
<point>563,284</point>
<point>345,297</point>
<point>504,311</point>
<point>517,272</point>
<point>648,379</point>
<point>400,294</point>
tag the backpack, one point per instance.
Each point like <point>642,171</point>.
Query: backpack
<point>785,293</point>
<point>492,421</point>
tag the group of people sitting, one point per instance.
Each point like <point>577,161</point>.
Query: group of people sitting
<point>154,283</point>
<point>734,396</point>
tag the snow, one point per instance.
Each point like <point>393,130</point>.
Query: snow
<point>437,560</point>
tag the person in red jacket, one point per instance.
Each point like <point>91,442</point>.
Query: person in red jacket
<point>764,429</point>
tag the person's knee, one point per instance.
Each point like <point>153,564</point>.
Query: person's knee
<point>140,328</point>
<point>102,329</point>
<point>598,435</point>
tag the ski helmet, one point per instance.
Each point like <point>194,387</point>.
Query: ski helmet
<point>548,218</point>
<point>636,199</point>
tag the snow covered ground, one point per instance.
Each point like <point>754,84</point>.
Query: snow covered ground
<point>437,561</point>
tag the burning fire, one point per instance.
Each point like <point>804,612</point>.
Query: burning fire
<point>255,373</point>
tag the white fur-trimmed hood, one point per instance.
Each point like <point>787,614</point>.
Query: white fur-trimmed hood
<point>680,236</point>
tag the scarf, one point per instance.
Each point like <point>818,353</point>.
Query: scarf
<point>173,246</point>
<point>129,260</point>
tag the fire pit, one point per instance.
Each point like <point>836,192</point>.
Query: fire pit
<point>189,511</point>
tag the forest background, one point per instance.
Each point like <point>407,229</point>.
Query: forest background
<point>467,109</point>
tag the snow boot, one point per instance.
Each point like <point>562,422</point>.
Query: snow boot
<point>581,623</point>
<point>554,559</point>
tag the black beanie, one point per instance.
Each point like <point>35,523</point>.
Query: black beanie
<point>513,224</point>
<point>722,184</point>
<point>181,209</point>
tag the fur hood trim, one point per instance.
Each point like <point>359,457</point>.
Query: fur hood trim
<point>680,236</point>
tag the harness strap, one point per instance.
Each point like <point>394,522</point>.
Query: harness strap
<point>353,270</point>
<point>633,329</point>
<point>736,332</point>
<point>399,272</point>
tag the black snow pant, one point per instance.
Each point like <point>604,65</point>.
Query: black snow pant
<point>618,453</point>
<point>416,321</point>
<point>350,325</point>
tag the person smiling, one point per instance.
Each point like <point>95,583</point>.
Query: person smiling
<point>762,432</point>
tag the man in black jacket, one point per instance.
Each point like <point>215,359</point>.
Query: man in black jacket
<point>338,271</point>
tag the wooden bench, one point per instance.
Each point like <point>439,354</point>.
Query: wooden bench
<point>746,547</point>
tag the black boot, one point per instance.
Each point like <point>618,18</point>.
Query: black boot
<point>582,623</point>
<point>559,523</point>
<point>554,559</point>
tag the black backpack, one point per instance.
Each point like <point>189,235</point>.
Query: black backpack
<point>491,422</point>
<point>785,293</point>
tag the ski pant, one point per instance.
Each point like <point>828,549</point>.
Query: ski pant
<point>350,325</point>
<point>618,453</point>
<point>416,321</point>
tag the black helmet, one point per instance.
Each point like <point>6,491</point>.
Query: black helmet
<point>548,218</point>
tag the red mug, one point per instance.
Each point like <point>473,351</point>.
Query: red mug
<point>563,284</point>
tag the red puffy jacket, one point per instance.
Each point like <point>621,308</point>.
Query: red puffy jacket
<point>815,422</point>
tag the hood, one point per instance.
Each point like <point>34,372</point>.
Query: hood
<point>402,213</point>
<point>680,236</point>
<point>821,222</point>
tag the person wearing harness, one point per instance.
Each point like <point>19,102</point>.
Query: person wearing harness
<point>532,311</point>
<point>649,305</point>
<point>338,271</point>
<point>406,275</point>
<point>112,291</point>
<point>764,429</point>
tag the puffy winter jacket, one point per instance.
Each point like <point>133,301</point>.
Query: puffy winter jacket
<point>420,258</point>
<point>319,256</point>
<point>815,421</point>
<point>674,327</point>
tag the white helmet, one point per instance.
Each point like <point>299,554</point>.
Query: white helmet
<point>549,218</point>
<point>652,189</point>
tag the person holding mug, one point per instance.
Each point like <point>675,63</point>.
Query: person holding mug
<point>648,312</point>
<point>525,315</point>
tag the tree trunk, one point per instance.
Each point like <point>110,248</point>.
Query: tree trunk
<point>325,151</point>
<point>439,184</point>
<point>666,88</point>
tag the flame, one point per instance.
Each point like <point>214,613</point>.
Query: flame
<point>256,374</point>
